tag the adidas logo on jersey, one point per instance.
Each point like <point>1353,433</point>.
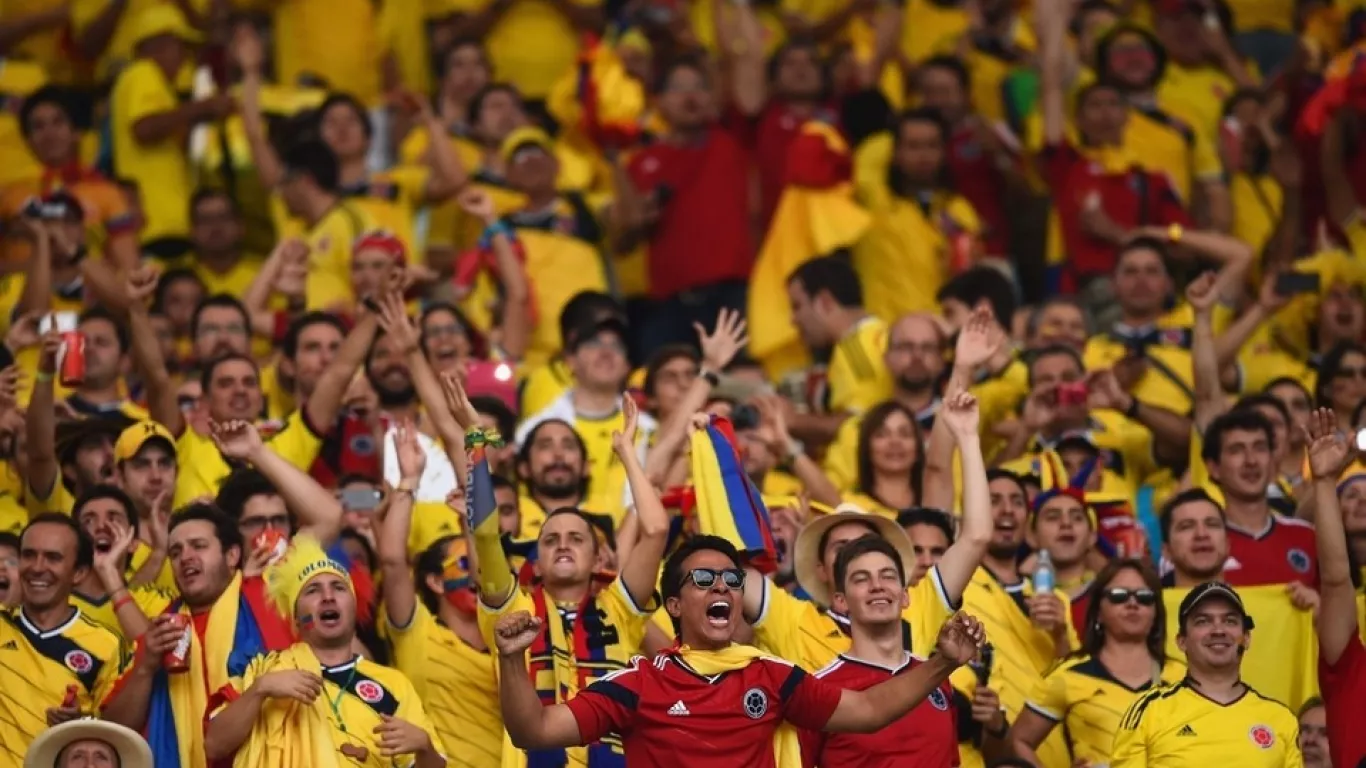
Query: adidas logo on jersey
<point>679,709</point>
<point>1186,731</point>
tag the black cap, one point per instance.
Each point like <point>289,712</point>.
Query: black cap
<point>585,331</point>
<point>1211,590</point>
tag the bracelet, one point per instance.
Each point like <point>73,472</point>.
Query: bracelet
<point>119,602</point>
<point>498,227</point>
<point>477,437</point>
<point>1174,232</point>
<point>409,491</point>
<point>710,377</point>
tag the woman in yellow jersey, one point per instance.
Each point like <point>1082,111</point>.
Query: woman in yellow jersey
<point>1122,654</point>
<point>890,460</point>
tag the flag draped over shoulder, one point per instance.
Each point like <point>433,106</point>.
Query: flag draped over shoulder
<point>288,733</point>
<point>816,215</point>
<point>1282,660</point>
<point>728,504</point>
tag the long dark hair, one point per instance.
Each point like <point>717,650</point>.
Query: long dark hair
<point>1093,634</point>
<point>872,421</point>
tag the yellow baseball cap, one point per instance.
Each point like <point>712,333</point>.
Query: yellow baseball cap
<point>521,138</point>
<point>132,439</point>
<point>164,19</point>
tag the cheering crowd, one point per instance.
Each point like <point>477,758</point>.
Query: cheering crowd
<point>791,383</point>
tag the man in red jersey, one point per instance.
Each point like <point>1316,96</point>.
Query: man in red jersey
<point>869,575</point>
<point>1264,548</point>
<point>710,701</point>
<point>1342,659</point>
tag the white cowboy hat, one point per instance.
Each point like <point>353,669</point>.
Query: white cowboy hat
<point>806,554</point>
<point>132,749</point>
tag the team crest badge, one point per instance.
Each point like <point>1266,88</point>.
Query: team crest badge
<point>363,445</point>
<point>1299,560</point>
<point>78,662</point>
<point>756,703</point>
<point>939,701</point>
<point>1262,736</point>
<point>369,691</point>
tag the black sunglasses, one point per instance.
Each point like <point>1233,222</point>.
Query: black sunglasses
<point>1120,596</point>
<point>705,578</point>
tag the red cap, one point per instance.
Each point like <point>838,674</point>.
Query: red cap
<point>381,240</point>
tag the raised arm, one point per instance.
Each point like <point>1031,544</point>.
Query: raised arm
<point>530,724</point>
<point>18,26</point>
<point>741,47</point>
<point>1210,400</point>
<point>400,593</point>
<point>40,428</point>
<point>960,561</point>
<point>1051,20</point>
<point>980,340</point>
<point>448,176</point>
<point>316,510</point>
<point>517,322</point>
<point>325,403</point>
<point>1337,616</point>
<point>641,571</point>
<point>393,319</point>
<point>285,272</point>
<point>874,708</point>
<point>773,425</point>
<point>161,391</point>
<point>246,47</point>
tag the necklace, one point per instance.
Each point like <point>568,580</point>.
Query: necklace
<point>335,702</point>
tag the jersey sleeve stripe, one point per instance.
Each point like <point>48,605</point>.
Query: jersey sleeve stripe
<point>1044,712</point>
<point>1135,713</point>
<point>943,592</point>
<point>794,679</point>
<point>763,602</point>
<point>615,691</point>
<point>630,601</point>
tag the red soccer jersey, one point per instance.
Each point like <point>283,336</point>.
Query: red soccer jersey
<point>668,715</point>
<point>976,177</point>
<point>1343,686</point>
<point>774,130</point>
<point>1282,552</point>
<point>1130,198</point>
<point>702,235</point>
<point>926,736</point>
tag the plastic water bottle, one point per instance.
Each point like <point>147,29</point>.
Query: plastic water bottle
<point>1045,578</point>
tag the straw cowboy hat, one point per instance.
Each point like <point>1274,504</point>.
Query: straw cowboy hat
<point>132,749</point>
<point>807,555</point>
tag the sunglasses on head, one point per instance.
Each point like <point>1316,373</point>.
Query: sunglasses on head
<point>705,578</point>
<point>1120,596</point>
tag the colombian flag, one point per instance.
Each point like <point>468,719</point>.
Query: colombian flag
<point>1344,85</point>
<point>728,504</point>
<point>599,100</point>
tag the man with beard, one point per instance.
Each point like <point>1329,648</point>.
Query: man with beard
<point>431,609</point>
<point>1194,539</point>
<point>319,699</point>
<point>232,391</point>
<point>596,353</point>
<point>220,326</point>
<point>1212,716</point>
<point>553,462</point>
<point>1264,548</point>
<point>50,647</point>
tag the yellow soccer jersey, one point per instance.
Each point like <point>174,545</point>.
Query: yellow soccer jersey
<point>1082,696</point>
<point>606,473</point>
<point>544,384</point>
<point>1170,380</point>
<point>1176,726</point>
<point>857,377</point>
<point>458,685</point>
<point>810,636</point>
<point>152,601</point>
<point>38,666</point>
<point>330,241</point>
<point>1126,447</point>
<point>203,469</point>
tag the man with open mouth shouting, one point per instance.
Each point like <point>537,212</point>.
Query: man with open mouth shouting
<point>710,701</point>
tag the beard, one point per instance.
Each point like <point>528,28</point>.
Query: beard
<point>392,397</point>
<point>568,489</point>
<point>1003,552</point>
<point>914,383</point>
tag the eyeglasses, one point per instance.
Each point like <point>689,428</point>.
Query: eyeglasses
<point>1120,596</point>
<point>704,578</point>
<point>278,522</point>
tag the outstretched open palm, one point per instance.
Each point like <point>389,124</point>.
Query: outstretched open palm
<point>980,339</point>
<point>1329,453</point>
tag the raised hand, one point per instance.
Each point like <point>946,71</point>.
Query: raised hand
<point>625,441</point>
<point>160,528</point>
<point>477,203</point>
<point>400,737</point>
<point>412,460</point>
<point>1268,298</point>
<point>960,413</point>
<point>773,423</point>
<point>1201,295</point>
<point>515,632</point>
<point>236,439</point>
<point>141,285</point>
<point>458,402</point>
<point>247,48</point>
<point>47,355</point>
<point>1329,453</point>
<point>23,332</point>
<point>289,684</point>
<point>1103,391</point>
<point>960,639</point>
<point>109,564</point>
<point>979,340</point>
<point>393,318</point>
<point>724,342</point>
<point>1040,408</point>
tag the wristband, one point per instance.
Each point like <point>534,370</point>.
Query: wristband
<point>119,602</point>
<point>42,376</point>
<point>710,377</point>
<point>476,437</point>
<point>498,227</point>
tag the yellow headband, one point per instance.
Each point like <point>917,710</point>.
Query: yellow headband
<point>304,561</point>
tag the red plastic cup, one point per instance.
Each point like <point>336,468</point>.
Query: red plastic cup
<point>272,539</point>
<point>70,699</point>
<point>73,359</point>
<point>177,659</point>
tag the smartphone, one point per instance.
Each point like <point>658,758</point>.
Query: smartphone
<point>61,322</point>
<point>744,416</point>
<point>360,499</point>
<point>1291,283</point>
<point>1072,393</point>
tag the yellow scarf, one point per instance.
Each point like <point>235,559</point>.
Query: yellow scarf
<point>289,734</point>
<point>787,752</point>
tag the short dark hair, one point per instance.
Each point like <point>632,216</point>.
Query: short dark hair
<point>1188,496</point>
<point>662,357</point>
<point>290,343</point>
<point>206,373</point>
<point>8,539</point>
<point>103,313</point>
<point>593,526</point>
<point>1234,421</point>
<point>431,562</point>
<point>685,61</point>
<point>671,584</point>
<point>103,491</point>
<point>224,527</point>
<point>926,115</point>
<point>1036,314</point>
<point>996,473</point>
<point>862,546</point>
<point>218,300</point>
<point>205,194</point>
<point>1310,704</point>
<point>952,64</point>
<point>85,546</point>
<point>982,284</point>
<point>240,487</point>
<point>171,277</point>
<point>338,98</point>
<point>825,535</point>
<point>931,516</point>
<point>476,107</point>
<point>1257,399</point>
<point>311,157</point>
<point>1145,243</point>
<point>54,95</point>
<point>501,413</point>
<point>830,274</point>
<point>1053,350</point>
<point>585,308</point>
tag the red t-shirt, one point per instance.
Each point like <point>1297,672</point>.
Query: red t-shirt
<point>981,183</point>
<point>926,736</point>
<point>702,235</point>
<point>668,715</point>
<point>774,129</point>
<point>1132,198</point>
<point>1283,552</point>
<point>1343,686</point>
